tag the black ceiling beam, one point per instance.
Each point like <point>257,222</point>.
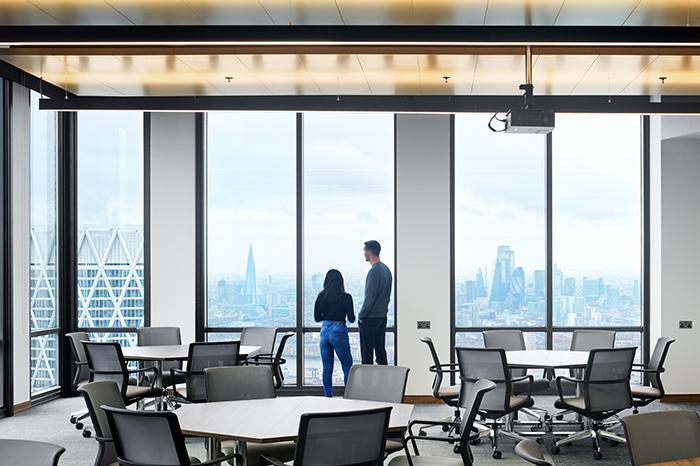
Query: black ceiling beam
<point>197,34</point>
<point>20,76</point>
<point>379,103</point>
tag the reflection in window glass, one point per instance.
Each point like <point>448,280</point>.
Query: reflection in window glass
<point>251,219</point>
<point>348,199</point>
<point>597,220</point>
<point>42,207</point>
<point>110,221</point>
<point>499,226</point>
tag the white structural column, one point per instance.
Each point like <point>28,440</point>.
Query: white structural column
<point>423,250</point>
<point>172,222</point>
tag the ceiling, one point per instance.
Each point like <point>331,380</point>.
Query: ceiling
<point>352,12</point>
<point>204,71</point>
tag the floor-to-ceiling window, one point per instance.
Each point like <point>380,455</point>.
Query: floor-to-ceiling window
<point>597,221</point>
<point>501,218</point>
<point>254,259</point>
<point>500,208</point>
<point>110,299</point>
<point>348,199</point>
<point>44,317</point>
<point>251,225</point>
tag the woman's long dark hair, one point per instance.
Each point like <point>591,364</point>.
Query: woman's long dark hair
<point>333,286</point>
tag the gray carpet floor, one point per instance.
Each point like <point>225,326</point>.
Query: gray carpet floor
<point>49,422</point>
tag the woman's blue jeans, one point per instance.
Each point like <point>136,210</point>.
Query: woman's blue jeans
<point>334,336</point>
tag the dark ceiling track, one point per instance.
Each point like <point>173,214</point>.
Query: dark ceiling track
<point>19,76</point>
<point>379,103</point>
<point>197,34</point>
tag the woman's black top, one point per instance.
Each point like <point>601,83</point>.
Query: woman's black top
<point>338,310</point>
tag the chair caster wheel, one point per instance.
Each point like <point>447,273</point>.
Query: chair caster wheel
<point>475,442</point>
<point>79,425</point>
<point>497,454</point>
<point>445,428</point>
<point>87,434</point>
<point>559,417</point>
<point>457,449</point>
<point>597,455</point>
<point>539,440</point>
<point>73,419</point>
<point>556,450</point>
<point>536,428</point>
<point>422,433</point>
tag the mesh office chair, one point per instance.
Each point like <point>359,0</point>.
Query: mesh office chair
<point>106,362</point>
<point>201,356</point>
<point>662,436</point>
<point>264,337</point>
<point>642,395</point>
<point>246,383</point>
<point>379,383</point>
<point>605,391</point>
<point>159,336</point>
<point>532,452</point>
<point>151,438</point>
<point>491,364</point>
<point>29,452</point>
<point>82,374</point>
<point>96,395</point>
<point>514,340</point>
<point>350,438</point>
<point>448,394</point>
<point>276,361</point>
<point>470,401</point>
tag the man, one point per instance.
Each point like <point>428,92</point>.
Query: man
<point>372,316</point>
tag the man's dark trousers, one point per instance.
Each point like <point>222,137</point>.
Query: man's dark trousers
<point>373,340</point>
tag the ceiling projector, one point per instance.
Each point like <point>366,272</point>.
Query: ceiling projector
<point>529,121</point>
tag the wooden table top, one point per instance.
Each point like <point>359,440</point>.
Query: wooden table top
<point>547,359</point>
<point>686,462</point>
<point>171,352</point>
<point>274,419</point>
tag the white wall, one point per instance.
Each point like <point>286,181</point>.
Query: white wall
<point>20,139</point>
<point>676,254</point>
<point>422,242</point>
<point>173,222</point>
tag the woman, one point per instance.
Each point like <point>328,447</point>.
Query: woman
<point>333,306</point>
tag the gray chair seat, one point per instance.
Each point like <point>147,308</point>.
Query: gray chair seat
<point>29,452</point>
<point>450,391</point>
<point>283,451</point>
<point>576,403</point>
<point>640,391</point>
<point>426,461</point>
<point>538,385</point>
<point>393,445</point>
<point>135,391</point>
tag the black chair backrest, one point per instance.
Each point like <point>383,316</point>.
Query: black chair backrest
<point>656,362</point>
<point>351,438</point>
<point>264,337</point>
<point>96,395</point>
<point>607,379</point>
<point>239,383</point>
<point>106,362</point>
<point>376,383</point>
<point>279,360</point>
<point>470,399</point>
<point>82,372</point>
<point>661,436</point>
<point>490,364</point>
<point>204,355</point>
<point>147,437</point>
<point>159,336</point>
<point>509,340</point>
<point>437,380</point>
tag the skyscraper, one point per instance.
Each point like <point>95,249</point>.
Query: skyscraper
<point>517,286</point>
<point>540,282</point>
<point>480,291</point>
<point>505,258</point>
<point>569,287</point>
<point>250,291</point>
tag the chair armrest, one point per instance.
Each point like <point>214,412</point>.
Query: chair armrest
<point>530,378</point>
<point>568,379</point>
<point>436,439</point>
<point>432,423</point>
<point>444,368</point>
<point>80,363</point>
<point>271,460</point>
<point>145,369</point>
<point>218,461</point>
